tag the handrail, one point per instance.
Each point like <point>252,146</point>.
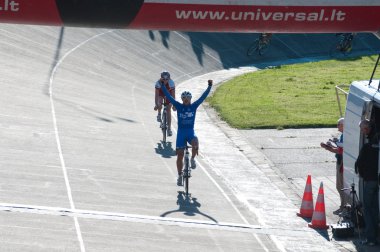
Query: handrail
<point>339,89</point>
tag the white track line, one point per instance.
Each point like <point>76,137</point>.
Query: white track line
<point>233,205</point>
<point>59,146</point>
<point>147,219</point>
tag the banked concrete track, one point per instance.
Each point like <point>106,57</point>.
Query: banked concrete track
<point>82,167</point>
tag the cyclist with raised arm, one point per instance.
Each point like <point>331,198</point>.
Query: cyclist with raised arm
<point>186,112</point>
<point>160,97</point>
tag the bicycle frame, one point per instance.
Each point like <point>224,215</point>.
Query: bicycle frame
<point>344,44</point>
<point>343,47</point>
<point>186,172</point>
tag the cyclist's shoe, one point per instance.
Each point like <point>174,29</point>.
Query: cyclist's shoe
<point>158,117</point>
<point>338,211</point>
<point>193,165</point>
<point>179,180</point>
<point>170,133</point>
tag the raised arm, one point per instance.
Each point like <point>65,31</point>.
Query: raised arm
<point>204,95</point>
<point>168,95</point>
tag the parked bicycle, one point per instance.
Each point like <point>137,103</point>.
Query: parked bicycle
<point>344,45</point>
<point>164,122</point>
<point>260,45</point>
<point>186,172</point>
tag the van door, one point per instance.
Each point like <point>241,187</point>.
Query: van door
<point>367,112</point>
<point>357,108</point>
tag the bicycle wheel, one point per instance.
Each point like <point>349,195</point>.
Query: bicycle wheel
<point>164,126</point>
<point>334,51</point>
<point>253,48</point>
<point>348,48</point>
<point>262,48</point>
<point>186,185</point>
<point>186,176</point>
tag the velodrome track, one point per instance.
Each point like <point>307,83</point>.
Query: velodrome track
<point>82,166</point>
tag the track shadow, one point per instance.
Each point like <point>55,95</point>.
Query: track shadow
<point>364,248</point>
<point>165,149</point>
<point>56,58</point>
<point>126,120</point>
<point>231,48</point>
<point>92,112</point>
<point>322,232</point>
<point>356,238</point>
<point>189,206</point>
<point>165,36</point>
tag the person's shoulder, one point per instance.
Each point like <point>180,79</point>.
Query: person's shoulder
<point>171,83</point>
<point>157,84</point>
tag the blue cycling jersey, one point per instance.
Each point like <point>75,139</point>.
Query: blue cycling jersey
<point>186,113</point>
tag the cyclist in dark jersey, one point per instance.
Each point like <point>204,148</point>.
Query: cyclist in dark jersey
<point>265,37</point>
<point>345,44</point>
<point>186,112</point>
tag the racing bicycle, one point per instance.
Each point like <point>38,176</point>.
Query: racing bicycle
<point>186,172</point>
<point>260,45</point>
<point>344,45</point>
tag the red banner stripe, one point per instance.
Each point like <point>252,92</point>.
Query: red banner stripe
<point>40,12</point>
<point>188,17</point>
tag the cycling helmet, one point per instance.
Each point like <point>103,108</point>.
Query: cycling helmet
<point>186,94</point>
<point>165,75</point>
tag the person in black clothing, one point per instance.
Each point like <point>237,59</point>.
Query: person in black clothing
<point>367,167</point>
<point>346,42</point>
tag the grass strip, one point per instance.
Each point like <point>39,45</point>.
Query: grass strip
<point>289,96</point>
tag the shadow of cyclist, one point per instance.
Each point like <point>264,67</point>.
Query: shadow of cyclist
<point>189,206</point>
<point>165,149</point>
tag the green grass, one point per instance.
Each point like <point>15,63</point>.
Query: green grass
<point>289,96</point>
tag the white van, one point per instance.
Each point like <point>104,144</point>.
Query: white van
<point>363,102</point>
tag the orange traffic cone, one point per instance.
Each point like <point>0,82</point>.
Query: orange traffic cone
<point>319,216</point>
<point>307,200</point>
